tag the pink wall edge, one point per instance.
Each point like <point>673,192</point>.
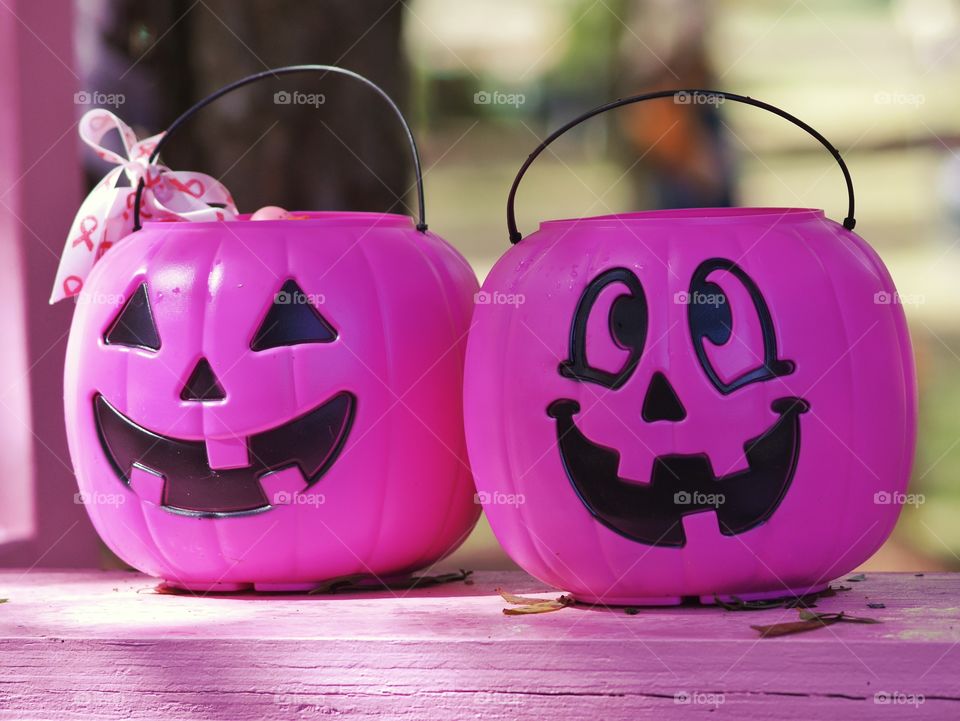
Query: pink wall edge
<point>40,189</point>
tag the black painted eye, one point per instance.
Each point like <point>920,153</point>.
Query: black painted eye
<point>627,322</point>
<point>134,325</point>
<point>710,314</point>
<point>292,319</point>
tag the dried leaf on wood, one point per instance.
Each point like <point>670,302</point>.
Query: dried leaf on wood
<point>809,621</point>
<point>526,605</point>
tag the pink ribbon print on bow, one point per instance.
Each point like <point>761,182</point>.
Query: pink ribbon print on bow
<point>106,216</point>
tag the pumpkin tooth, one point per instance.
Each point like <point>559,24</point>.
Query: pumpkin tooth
<point>147,485</point>
<point>727,459</point>
<point>226,453</point>
<point>282,487</point>
<point>637,466</point>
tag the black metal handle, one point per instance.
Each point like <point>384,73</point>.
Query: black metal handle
<point>286,70</point>
<point>515,236</point>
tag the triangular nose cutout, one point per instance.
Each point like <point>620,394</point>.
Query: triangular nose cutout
<point>203,385</point>
<point>661,402</point>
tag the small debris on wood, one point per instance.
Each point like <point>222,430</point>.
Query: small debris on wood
<point>353,583</point>
<point>857,577</point>
<point>841,616</point>
<point>340,583</point>
<point>876,604</point>
<point>365,582</point>
<point>808,600</point>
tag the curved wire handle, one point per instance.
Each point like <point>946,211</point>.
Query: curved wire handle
<point>287,70</point>
<point>515,236</point>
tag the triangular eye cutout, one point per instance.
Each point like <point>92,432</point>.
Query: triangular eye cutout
<point>292,319</point>
<point>202,385</point>
<point>134,324</point>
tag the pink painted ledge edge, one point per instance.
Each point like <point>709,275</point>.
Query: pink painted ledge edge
<point>116,604</point>
<point>104,645</point>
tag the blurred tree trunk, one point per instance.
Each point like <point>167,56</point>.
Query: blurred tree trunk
<point>346,154</point>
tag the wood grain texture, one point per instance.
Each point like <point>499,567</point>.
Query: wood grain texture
<point>95,645</point>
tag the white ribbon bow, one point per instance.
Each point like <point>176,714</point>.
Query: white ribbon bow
<point>106,216</point>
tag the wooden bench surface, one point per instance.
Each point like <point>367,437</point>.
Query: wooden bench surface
<point>97,645</point>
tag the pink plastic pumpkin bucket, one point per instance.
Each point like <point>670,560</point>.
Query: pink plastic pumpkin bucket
<point>690,403</point>
<point>274,403</point>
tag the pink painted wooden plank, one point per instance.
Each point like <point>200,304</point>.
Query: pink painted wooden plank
<point>16,452</point>
<point>103,645</point>
<point>40,190</point>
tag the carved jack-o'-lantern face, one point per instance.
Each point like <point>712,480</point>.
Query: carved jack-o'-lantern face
<point>309,443</point>
<point>273,402</point>
<point>681,396</point>
<point>728,385</point>
<point>650,510</point>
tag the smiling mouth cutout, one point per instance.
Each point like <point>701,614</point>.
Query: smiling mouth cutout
<point>310,443</point>
<point>681,484</point>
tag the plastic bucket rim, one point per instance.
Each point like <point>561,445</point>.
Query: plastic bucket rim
<point>725,214</point>
<point>314,218</point>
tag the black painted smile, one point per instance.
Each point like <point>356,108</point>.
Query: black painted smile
<point>681,484</point>
<point>310,443</point>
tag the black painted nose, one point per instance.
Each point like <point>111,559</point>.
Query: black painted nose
<point>203,384</point>
<point>661,402</point>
